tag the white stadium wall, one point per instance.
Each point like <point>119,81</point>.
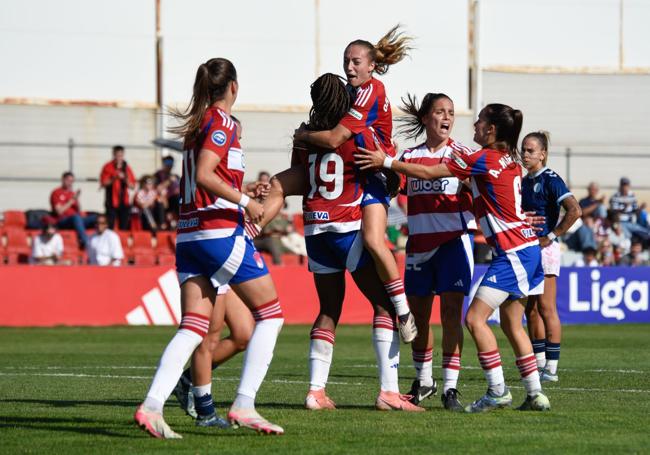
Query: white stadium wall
<point>87,70</point>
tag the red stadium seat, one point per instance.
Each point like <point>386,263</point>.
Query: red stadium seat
<point>144,259</point>
<point>166,259</point>
<point>141,242</point>
<point>71,251</point>
<point>18,249</point>
<point>298,223</point>
<point>15,219</point>
<point>165,242</point>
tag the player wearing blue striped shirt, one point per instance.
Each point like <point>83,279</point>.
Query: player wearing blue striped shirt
<point>543,192</point>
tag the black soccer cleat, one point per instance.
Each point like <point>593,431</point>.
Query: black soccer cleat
<point>418,392</point>
<point>450,401</point>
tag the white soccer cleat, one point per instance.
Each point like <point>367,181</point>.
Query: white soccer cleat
<point>317,400</point>
<point>407,328</point>
<point>545,376</point>
<point>154,424</point>
<point>249,418</point>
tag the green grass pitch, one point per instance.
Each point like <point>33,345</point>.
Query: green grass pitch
<point>74,390</point>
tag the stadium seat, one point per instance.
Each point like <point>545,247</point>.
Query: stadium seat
<point>144,258</point>
<point>71,251</point>
<point>142,242</point>
<point>166,259</point>
<point>15,219</point>
<point>165,242</point>
<point>17,249</point>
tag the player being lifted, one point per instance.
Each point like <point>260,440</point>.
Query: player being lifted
<point>371,108</point>
<point>516,270</point>
<point>439,251</point>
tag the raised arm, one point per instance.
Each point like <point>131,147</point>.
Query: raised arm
<point>328,138</point>
<point>370,159</point>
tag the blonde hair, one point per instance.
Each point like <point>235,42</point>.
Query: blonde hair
<point>390,49</point>
<point>544,139</point>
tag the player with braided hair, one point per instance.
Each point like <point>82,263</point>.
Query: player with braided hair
<point>371,109</point>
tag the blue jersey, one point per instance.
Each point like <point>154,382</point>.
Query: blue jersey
<point>542,192</point>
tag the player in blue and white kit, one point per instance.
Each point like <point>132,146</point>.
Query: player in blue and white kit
<point>543,192</point>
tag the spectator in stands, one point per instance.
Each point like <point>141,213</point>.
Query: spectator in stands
<point>168,185</point>
<point>636,256</point>
<point>275,235</point>
<point>117,178</point>
<point>593,205</point>
<point>588,258</point>
<point>148,202</point>
<point>606,255</point>
<point>625,204</point>
<point>260,188</point>
<point>47,247</point>
<point>617,237</point>
<point>67,211</point>
<point>104,247</point>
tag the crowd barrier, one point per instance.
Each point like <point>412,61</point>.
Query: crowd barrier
<point>99,296</point>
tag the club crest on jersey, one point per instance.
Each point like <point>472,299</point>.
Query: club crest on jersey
<point>258,259</point>
<point>317,216</point>
<point>356,114</point>
<point>219,137</point>
<point>459,161</point>
<point>537,187</point>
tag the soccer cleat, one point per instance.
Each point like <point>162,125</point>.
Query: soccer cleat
<point>212,420</point>
<point>407,328</point>
<point>185,397</point>
<point>154,424</point>
<point>538,402</point>
<point>450,400</point>
<point>545,376</point>
<point>249,418</point>
<point>318,399</point>
<point>393,401</point>
<point>419,393</point>
<point>489,401</point>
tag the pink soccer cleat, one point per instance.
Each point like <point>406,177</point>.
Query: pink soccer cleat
<point>154,424</point>
<point>317,400</point>
<point>249,418</point>
<point>393,401</point>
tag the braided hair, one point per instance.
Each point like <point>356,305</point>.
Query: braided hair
<point>330,102</point>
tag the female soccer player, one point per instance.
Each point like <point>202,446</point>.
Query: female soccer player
<point>543,192</point>
<point>516,270</point>
<point>212,251</point>
<point>332,195</point>
<point>439,251</point>
<point>371,108</point>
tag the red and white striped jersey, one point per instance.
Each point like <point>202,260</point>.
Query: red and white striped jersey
<point>202,214</point>
<point>331,202</point>
<point>438,210</point>
<point>496,187</point>
<point>371,108</point>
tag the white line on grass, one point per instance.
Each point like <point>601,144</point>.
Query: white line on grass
<point>287,381</point>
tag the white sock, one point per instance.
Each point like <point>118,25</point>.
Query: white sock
<point>491,364</point>
<point>423,363</point>
<point>176,354</point>
<point>450,370</point>
<point>540,359</point>
<point>395,290</point>
<point>551,366</point>
<point>201,390</point>
<point>321,350</point>
<point>386,343</point>
<point>257,359</point>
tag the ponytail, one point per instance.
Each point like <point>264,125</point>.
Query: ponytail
<point>390,49</point>
<point>210,85</point>
<point>411,124</point>
<point>507,122</point>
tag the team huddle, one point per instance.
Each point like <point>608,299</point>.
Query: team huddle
<point>346,167</point>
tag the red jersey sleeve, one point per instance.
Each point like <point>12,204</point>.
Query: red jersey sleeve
<point>468,165</point>
<point>363,112</point>
<point>220,136</point>
<point>108,172</point>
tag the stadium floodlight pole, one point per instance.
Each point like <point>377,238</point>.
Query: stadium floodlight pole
<point>317,37</point>
<point>474,40</point>
<point>159,62</point>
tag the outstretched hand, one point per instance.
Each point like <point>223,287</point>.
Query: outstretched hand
<point>535,220</point>
<point>370,159</point>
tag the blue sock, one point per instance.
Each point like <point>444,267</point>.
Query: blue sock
<point>552,351</point>
<point>539,349</point>
<point>203,400</point>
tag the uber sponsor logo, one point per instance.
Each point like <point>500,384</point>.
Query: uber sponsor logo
<point>435,186</point>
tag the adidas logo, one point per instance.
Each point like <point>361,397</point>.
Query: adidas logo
<point>458,283</point>
<point>161,305</point>
<point>492,279</point>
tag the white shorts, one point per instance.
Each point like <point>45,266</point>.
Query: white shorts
<point>551,256</point>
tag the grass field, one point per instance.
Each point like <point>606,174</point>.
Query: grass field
<point>74,390</point>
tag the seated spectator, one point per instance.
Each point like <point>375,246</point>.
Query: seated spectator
<point>104,247</point>
<point>593,205</point>
<point>617,237</point>
<point>168,185</point>
<point>606,254</point>
<point>636,256</point>
<point>117,178</point>
<point>588,258</point>
<point>47,247</point>
<point>279,237</point>
<point>148,203</point>
<point>67,211</point>
<point>624,203</point>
